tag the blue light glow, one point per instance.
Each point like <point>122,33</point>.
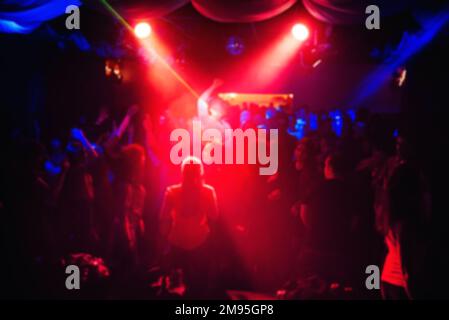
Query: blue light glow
<point>299,129</point>
<point>33,14</point>
<point>351,114</point>
<point>409,45</point>
<point>337,122</point>
<point>52,169</point>
<point>313,121</point>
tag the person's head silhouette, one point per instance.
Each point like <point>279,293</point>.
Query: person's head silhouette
<point>192,171</point>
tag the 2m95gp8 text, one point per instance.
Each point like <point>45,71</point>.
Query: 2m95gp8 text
<point>246,309</point>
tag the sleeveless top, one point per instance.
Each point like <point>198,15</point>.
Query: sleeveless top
<point>392,272</point>
<point>190,210</point>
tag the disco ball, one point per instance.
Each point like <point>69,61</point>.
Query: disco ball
<point>235,46</point>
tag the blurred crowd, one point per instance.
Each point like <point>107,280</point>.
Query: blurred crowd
<point>349,193</point>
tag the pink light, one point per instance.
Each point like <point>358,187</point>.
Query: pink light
<point>300,32</point>
<point>142,30</point>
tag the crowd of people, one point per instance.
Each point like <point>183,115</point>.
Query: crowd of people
<point>349,193</point>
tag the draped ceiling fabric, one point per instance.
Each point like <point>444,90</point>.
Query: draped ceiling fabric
<point>218,10</point>
<point>143,9</point>
<point>337,11</point>
<point>23,16</point>
<point>242,10</point>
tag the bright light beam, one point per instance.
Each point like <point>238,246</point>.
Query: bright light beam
<point>151,50</point>
<point>411,45</point>
<point>273,62</point>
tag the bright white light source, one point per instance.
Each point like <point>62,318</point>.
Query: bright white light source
<point>300,32</point>
<point>142,30</point>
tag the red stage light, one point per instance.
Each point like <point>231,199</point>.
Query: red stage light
<point>300,32</point>
<point>142,30</point>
